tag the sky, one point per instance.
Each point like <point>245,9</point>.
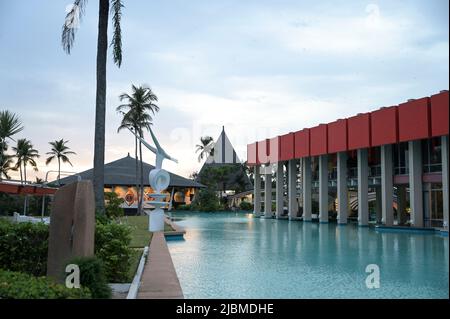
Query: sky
<point>259,68</point>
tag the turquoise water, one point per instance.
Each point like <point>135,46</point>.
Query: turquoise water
<point>232,255</point>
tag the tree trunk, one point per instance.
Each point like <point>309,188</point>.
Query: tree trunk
<point>100,106</point>
<point>141,198</point>
<point>21,176</point>
<point>59,171</point>
<point>25,202</point>
<point>137,174</point>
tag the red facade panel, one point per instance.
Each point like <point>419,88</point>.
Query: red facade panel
<point>286,147</point>
<point>337,136</point>
<point>414,120</point>
<point>318,140</point>
<point>263,152</point>
<point>384,126</point>
<point>274,149</point>
<point>439,114</point>
<point>359,131</point>
<point>301,143</point>
<point>252,154</point>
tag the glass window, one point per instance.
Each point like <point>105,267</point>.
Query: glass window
<point>401,158</point>
<point>431,155</point>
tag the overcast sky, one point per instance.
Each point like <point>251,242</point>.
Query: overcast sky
<point>260,68</point>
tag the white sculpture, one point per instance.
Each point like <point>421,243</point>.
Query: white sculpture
<point>159,181</point>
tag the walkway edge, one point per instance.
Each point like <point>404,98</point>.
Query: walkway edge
<point>132,293</point>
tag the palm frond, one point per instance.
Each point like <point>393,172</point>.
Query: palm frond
<point>73,18</point>
<point>116,41</point>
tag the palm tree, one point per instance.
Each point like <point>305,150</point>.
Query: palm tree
<point>67,41</point>
<point>25,154</point>
<point>206,147</point>
<point>6,163</point>
<point>10,125</point>
<point>59,150</point>
<point>136,116</point>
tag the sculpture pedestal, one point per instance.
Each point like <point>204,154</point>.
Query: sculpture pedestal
<point>156,220</point>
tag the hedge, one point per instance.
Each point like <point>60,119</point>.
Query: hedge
<point>15,285</point>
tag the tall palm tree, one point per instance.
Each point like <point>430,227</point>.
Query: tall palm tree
<point>10,125</point>
<point>206,147</point>
<point>25,154</point>
<point>60,151</point>
<point>136,114</point>
<point>67,40</point>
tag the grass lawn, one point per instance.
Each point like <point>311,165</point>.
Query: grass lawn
<point>135,258</point>
<point>140,236</point>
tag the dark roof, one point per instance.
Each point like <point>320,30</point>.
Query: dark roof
<point>123,172</point>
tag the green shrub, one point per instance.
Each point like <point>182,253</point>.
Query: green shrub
<point>245,205</point>
<point>16,285</point>
<point>113,204</point>
<point>23,247</point>
<point>92,276</point>
<point>112,247</point>
<point>184,207</point>
<point>206,200</point>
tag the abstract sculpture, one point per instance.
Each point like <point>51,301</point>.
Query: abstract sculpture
<point>159,181</point>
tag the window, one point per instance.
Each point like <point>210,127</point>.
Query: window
<point>431,155</point>
<point>401,158</point>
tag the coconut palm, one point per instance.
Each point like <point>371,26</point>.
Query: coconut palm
<point>6,165</point>
<point>10,125</point>
<point>25,154</point>
<point>59,151</point>
<point>206,147</point>
<point>136,116</point>
<point>67,41</point>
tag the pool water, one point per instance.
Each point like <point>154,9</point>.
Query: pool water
<point>233,255</point>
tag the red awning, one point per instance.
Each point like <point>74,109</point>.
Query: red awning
<point>18,189</point>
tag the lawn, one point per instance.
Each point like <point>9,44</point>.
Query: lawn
<point>135,258</point>
<point>140,236</point>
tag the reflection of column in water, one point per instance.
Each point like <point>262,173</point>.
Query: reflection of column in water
<point>342,244</point>
<point>417,250</point>
<point>292,235</point>
<point>323,242</point>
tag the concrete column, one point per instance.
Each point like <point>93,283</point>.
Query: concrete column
<point>292,189</point>
<point>323,188</point>
<point>445,178</point>
<point>257,192</point>
<point>387,195</point>
<point>267,192</point>
<point>342,191</point>
<point>378,205</point>
<point>307,179</point>
<point>415,182</point>
<point>363,187</point>
<point>279,183</point>
<point>401,204</point>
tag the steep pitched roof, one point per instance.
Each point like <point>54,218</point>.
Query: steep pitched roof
<point>123,172</point>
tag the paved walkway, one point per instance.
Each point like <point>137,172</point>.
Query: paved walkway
<point>159,279</point>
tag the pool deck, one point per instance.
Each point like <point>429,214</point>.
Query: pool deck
<point>159,279</point>
<point>177,230</point>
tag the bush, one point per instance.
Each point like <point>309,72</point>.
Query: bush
<point>92,276</point>
<point>113,204</point>
<point>184,207</point>
<point>206,200</point>
<point>112,247</point>
<point>16,285</point>
<point>23,247</point>
<point>245,205</point>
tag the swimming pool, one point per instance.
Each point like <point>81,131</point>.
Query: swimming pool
<point>233,255</point>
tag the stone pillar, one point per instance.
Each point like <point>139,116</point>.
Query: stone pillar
<point>292,189</point>
<point>279,184</point>
<point>363,187</point>
<point>387,175</point>
<point>257,192</point>
<point>342,191</point>
<point>401,204</point>
<point>378,205</point>
<point>323,188</point>
<point>415,182</point>
<point>307,180</point>
<point>445,178</point>
<point>72,227</point>
<point>267,192</point>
